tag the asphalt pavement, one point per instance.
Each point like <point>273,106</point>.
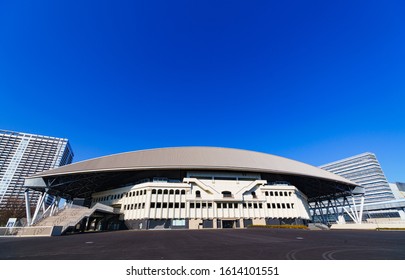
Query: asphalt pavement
<point>224,244</point>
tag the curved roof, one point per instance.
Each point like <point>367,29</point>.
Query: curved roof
<point>195,158</point>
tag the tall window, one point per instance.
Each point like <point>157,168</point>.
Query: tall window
<point>197,194</point>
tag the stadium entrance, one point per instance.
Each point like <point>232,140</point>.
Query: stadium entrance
<point>228,223</point>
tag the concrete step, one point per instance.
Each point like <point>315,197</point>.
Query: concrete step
<point>317,226</point>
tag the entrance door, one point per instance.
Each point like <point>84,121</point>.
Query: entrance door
<point>228,224</point>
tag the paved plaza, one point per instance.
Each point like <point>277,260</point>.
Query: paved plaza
<point>226,244</point>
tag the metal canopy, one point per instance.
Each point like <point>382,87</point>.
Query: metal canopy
<point>83,185</point>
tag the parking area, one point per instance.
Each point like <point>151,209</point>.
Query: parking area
<point>225,244</point>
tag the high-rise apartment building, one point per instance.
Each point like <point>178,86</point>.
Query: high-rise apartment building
<point>23,154</point>
<point>365,170</point>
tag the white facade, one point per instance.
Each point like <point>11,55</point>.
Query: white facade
<point>207,200</point>
<point>23,154</point>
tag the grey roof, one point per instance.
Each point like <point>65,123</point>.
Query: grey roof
<point>195,158</point>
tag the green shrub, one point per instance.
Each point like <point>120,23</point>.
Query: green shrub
<point>390,228</point>
<point>279,226</point>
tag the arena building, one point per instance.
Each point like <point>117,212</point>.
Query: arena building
<point>193,188</point>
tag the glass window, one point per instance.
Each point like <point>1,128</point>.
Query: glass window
<point>278,206</point>
<point>171,192</point>
<point>197,194</point>
<point>268,205</point>
<point>183,192</point>
<point>260,206</point>
<point>235,205</point>
<point>158,205</point>
<point>166,192</point>
<point>154,191</point>
<point>177,192</point>
<point>198,205</point>
<point>191,205</point>
<point>219,205</point>
<point>227,194</point>
<point>160,191</point>
<point>164,204</point>
<point>266,193</point>
<point>271,193</point>
<point>283,205</point>
<point>182,205</point>
<point>176,205</point>
<point>244,205</point>
<point>255,205</point>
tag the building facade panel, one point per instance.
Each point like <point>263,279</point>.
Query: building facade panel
<point>217,202</point>
<point>365,170</point>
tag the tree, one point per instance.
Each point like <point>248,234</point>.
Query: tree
<point>12,208</point>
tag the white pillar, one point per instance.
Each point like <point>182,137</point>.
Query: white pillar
<point>361,209</point>
<point>38,208</point>
<point>27,207</point>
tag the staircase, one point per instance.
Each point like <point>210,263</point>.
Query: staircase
<point>66,218</point>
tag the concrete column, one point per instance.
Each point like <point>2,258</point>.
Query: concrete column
<point>241,224</point>
<point>87,224</point>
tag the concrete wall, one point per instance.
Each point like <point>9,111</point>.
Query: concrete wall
<point>367,226</point>
<point>195,223</point>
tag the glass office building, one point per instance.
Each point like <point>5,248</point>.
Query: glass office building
<point>24,154</point>
<point>365,170</point>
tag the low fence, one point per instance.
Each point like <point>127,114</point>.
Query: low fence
<point>28,231</point>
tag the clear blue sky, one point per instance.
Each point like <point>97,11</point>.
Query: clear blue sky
<point>314,81</point>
